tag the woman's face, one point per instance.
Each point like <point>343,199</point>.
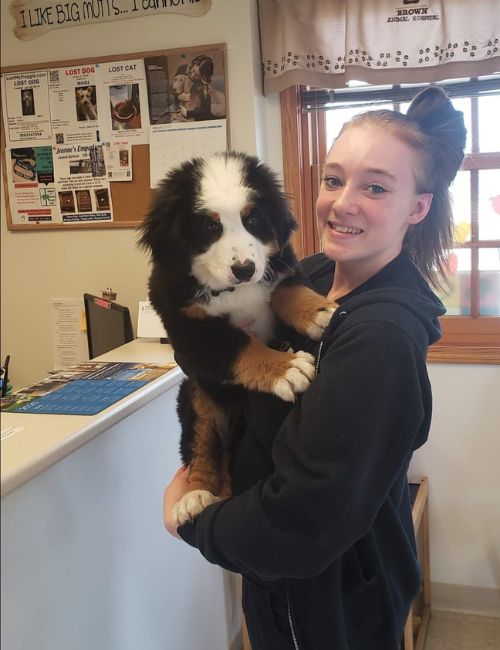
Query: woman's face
<point>194,72</point>
<point>367,198</point>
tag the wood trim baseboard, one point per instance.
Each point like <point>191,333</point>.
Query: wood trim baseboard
<point>465,599</point>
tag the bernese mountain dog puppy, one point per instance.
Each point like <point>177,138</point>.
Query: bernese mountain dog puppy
<point>223,275</point>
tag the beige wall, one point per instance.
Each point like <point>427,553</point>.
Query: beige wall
<point>461,461</point>
<point>461,458</point>
<point>37,267</point>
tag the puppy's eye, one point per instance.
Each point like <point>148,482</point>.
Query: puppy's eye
<point>253,218</point>
<point>212,225</point>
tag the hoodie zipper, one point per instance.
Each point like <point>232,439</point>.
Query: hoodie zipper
<point>290,622</point>
<point>342,314</point>
<point>318,358</point>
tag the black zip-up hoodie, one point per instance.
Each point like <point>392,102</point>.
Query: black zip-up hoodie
<point>321,519</point>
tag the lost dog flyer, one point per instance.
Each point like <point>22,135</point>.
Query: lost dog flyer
<point>34,17</point>
<point>26,109</point>
<point>73,104</point>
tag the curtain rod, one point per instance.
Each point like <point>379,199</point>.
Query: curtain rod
<point>323,98</point>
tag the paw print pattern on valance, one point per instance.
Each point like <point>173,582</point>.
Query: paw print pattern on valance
<point>325,43</point>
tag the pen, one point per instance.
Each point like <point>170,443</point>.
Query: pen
<point>5,375</point>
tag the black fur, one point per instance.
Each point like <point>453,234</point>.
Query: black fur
<point>175,231</point>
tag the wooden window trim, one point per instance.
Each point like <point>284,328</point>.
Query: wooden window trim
<point>465,340</point>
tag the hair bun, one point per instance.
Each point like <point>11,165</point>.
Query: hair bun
<point>430,107</point>
<point>435,115</point>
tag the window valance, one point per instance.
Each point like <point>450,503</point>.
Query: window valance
<point>326,43</point>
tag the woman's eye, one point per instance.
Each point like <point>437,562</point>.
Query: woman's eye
<point>376,189</point>
<point>332,181</point>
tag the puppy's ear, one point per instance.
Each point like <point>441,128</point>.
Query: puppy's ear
<point>162,232</point>
<point>280,213</point>
<point>285,223</point>
<point>155,230</point>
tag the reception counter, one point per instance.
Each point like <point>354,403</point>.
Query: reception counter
<point>86,561</point>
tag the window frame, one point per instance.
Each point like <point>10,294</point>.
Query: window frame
<point>466,339</point>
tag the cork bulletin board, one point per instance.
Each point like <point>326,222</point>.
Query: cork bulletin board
<point>84,140</point>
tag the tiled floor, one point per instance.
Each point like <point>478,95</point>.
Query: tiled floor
<point>450,631</point>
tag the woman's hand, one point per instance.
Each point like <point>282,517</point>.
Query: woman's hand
<point>176,489</point>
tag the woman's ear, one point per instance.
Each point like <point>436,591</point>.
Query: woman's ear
<point>421,208</point>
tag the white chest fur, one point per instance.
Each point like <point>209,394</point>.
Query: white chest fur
<point>248,307</point>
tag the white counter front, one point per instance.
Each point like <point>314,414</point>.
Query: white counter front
<point>86,561</point>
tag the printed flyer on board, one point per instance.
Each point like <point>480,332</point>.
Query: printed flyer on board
<point>80,178</point>
<point>32,191</point>
<point>122,90</point>
<point>26,111</point>
<point>73,104</point>
<point>118,158</point>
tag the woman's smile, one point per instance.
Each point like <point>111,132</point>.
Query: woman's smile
<point>343,230</point>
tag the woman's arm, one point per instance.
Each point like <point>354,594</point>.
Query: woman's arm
<point>336,457</point>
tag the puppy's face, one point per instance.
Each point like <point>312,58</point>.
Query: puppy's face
<point>234,233</point>
<point>226,215</point>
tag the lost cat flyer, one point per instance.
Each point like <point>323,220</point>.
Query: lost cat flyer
<point>82,189</point>
<point>26,110</point>
<point>32,191</point>
<point>73,104</point>
<point>122,100</point>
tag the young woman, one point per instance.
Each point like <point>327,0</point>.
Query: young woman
<point>320,526</point>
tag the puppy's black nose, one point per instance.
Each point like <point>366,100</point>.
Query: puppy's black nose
<point>243,272</point>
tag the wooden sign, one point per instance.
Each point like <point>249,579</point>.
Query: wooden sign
<point>36,17</point>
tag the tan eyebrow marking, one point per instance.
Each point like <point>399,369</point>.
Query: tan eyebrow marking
<point>246,209</point>
<point>215,216</point>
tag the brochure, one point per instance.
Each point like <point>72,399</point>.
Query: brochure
<point>84,389</point>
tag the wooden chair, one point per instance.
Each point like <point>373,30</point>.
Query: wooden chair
<point>415,631</point>
<point>246,640</point>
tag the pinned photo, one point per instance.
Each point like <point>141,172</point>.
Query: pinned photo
<point>23,164</point>
<point>102,199</point>
<point>66,202</point>
<point>27,101</point>
<point>125,107</point>
<point>81,166</point>
<point>197,88</point>
<point>123,155</point>
<point>86,104</point>
<point>83,201</point>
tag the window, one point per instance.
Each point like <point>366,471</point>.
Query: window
<point>311,120</point>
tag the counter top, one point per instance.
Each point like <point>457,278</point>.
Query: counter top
<point>37,441</point>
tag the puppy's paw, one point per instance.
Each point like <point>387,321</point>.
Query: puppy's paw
<point>297,377</point>
<point>320,322</point>
<point>191,504</point>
